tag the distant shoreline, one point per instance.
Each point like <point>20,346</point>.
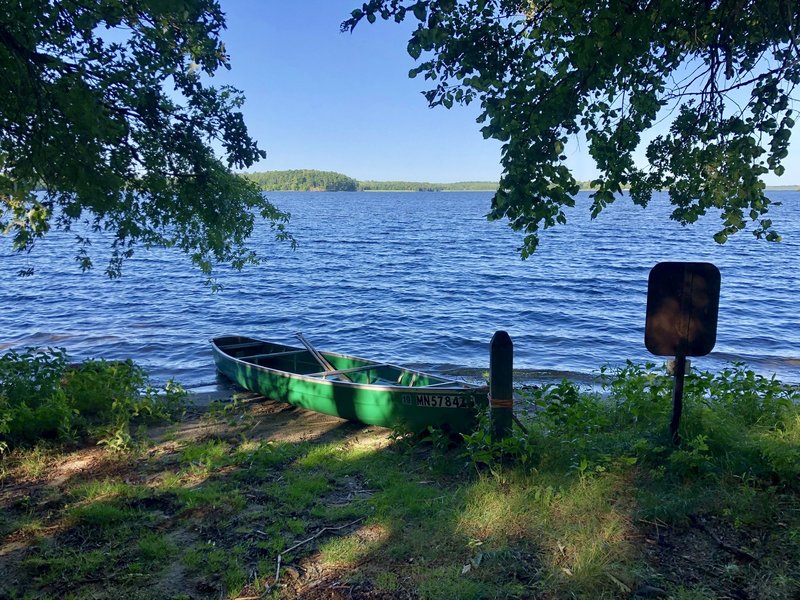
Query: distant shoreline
<point>310,180</point>
<point>769,188</point>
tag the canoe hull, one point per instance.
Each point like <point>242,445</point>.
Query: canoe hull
<point>414,408</point>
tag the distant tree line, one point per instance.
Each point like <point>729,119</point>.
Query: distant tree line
<point>309,180</point>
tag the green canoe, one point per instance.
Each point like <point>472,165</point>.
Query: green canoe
<point>348,387</point>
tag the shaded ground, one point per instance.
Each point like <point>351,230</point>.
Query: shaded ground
<point>218,504</point>
<point>44,528</point>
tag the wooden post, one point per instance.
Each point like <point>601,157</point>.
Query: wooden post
<point>677,397</point>
<point>501,389</point>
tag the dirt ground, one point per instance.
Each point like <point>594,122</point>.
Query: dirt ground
<point>42,493</point>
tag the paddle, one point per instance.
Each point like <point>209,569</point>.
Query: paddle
<point>319,358</point>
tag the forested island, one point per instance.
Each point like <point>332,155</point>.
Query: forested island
<point>310,180</point>
<point>303,180</point>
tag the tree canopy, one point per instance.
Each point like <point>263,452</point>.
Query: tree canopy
<point>107,118</point>
<point>704,87</point>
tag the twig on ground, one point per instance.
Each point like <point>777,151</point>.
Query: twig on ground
<point>738,552</point>
<point>312,538</point>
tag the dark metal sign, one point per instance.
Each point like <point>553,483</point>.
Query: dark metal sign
<point>682,309</point>
<point>682,312</point>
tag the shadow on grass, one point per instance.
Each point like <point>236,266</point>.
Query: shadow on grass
<point>206,510</point>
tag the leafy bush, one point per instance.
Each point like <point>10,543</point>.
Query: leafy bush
<point>736,423</point>
<point>42,397</point>
<point>108,395</point>
<point>32,404</point>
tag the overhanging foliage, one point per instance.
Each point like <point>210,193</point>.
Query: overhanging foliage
<point>723,71</point>
<point>107,113</point>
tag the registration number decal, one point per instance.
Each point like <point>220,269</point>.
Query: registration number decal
<point>438,400</point>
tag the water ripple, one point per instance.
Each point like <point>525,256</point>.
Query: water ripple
<point>418,279</point>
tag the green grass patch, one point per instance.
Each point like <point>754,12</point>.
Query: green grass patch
<point>103,515</point>
<point>211,494</point>
<point>156,548</point>
<point>592,502</point>
<point>66,566</point>
<point>206,457</point>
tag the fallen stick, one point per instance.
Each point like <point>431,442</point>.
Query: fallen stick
<point>738,552</point>
<point>312,538</point>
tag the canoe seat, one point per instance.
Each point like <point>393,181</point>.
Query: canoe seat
<point>241,346</point>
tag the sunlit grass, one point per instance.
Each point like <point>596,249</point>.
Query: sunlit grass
<point>415,519</point>
<point>577,527</point>
<point>28,463</point>
<point>350,549</point>
<point>205,457</point>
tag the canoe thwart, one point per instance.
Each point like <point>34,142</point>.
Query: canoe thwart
<point>345,371</point>
<point>323,362</point>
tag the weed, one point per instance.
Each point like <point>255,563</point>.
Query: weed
<point>386,582</point>
<point>66,566</point>
<point>736,423</point>
<point>154,548</point>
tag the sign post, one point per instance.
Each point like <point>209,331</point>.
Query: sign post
<point>682,314</point>
<point>501,385</point>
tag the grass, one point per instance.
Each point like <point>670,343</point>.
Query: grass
<point>603,507</point>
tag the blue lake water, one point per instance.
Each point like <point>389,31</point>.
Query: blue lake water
<point>416,279</point>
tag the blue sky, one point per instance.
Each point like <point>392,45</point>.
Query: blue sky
<point>321,99</point>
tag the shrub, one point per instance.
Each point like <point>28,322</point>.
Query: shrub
<point>32,404</point>
<point>41,397</point>
<point>736,423</point>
